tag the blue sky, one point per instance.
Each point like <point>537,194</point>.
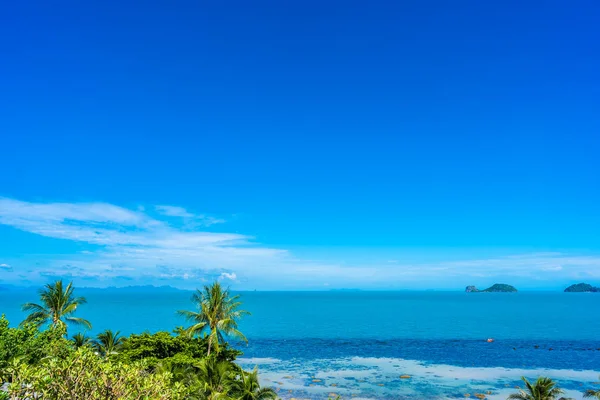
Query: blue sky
<point>314,145</point>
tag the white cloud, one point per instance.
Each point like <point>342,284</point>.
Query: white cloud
<point>231,276</point>
<point>173,211</point>
<point>20,212</point>
<point>189,218</point>
<point>5,267</point>
<point>133,238</point>
<point>124,244</point>
<point>104,224</point>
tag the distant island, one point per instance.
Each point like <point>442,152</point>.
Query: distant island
<point>582,288</point>
<point>496,288</point>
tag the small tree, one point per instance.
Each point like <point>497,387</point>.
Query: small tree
<point>58,304</point>
<point>29,344</point>
<point>108,342</point>
<point>217,312</point>
<point>543,389</point>
<point>247,387</point>
<point>213,378</point>
<point>80,340</point>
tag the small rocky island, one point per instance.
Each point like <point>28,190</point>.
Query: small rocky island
<point>496,288</point>
<point>582,288</point>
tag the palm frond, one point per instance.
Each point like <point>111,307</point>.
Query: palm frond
<point>80,321</point>
<point>57,305</point>
<point>33,307</point>
<point>592,393</point>
<point>37,318</point>
<point>196,329</point>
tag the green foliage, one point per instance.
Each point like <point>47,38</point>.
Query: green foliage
<point>500,287</point>
<point>29,344</point>
<point>57,307</point>
<point>108,342</point>
<point>582,288</point>
<point>80,340</point>
<point>247,387</point>
<point>223,380</point>
<point>218,313</point>
<point>43,364</point>
<point>212,379</point>
<point>543,389</point>
<point>169,350</point>
<point>84,375</point>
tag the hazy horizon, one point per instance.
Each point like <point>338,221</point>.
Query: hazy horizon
<point>190,289</point>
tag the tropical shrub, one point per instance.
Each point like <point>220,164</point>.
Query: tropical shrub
<point>222,380</point>
<point>211,379</point>
<point>29,344</point>
<point>86,376</point>
<point>169,350</point>
<point>44,364</point>
<point>247,387</point>
<point>80,340</point>
<point>108,343</point>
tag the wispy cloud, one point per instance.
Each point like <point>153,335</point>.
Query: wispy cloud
<point>134,239</point>
<point>228,275</point>
<point>5,267</point>
<point>163,244</point>
<point>173,211</point>
<point>21,212</point>
<point>188,217</point>
<point>105,224</point>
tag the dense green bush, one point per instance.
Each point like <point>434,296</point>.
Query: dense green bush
<point>169,349</point>
<point>29,344</point>
<point>161,366</point>
<point>43,364</point>
<point>86,376</point>
<point>223,380</point>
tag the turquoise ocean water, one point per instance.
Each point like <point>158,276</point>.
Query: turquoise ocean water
<point>358,344</point>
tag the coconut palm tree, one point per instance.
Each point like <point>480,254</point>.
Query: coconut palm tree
<point>108,342</point>
<point>212,379</point>
<point>58,304</point>
<point>247,387</point>
<point>217,312</point>
<point>543,389</point>
<point>80,340</point>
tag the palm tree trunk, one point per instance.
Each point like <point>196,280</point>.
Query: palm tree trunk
<point>209,345</point>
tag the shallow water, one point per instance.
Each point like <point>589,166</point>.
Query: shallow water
<point>357,344</point>
<point>394,378</point>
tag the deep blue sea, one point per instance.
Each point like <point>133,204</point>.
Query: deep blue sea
<point>358,344</point>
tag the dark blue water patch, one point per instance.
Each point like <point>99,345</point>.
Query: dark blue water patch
<point>557,354</point>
